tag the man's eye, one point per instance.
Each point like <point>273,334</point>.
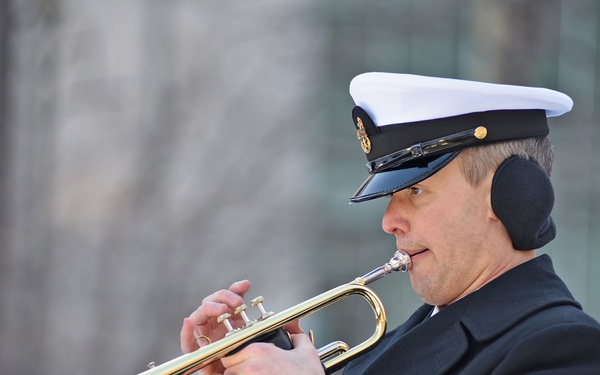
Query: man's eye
<point>415,191</point>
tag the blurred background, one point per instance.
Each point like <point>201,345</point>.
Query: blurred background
<point>153,151</point>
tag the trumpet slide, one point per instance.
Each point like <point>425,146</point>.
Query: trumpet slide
<point>333,356</point>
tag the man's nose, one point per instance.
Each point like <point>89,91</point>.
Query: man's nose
<point>395,219</point>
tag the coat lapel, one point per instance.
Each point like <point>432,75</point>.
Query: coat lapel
<point>426,345</point>
<point>417,333</point>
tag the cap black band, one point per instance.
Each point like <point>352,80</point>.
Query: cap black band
<point>501,125</point>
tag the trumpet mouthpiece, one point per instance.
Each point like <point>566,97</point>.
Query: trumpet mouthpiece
<point>399,262</point>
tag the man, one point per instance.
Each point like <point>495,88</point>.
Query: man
<point>465,166</point>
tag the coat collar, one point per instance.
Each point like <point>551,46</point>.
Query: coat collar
<point>484,314</point>
<point>491,311</point>
<point>512,297</point>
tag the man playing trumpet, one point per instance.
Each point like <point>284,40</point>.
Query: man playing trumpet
<point>465,166</point>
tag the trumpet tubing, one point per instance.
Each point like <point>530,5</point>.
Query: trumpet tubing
<point>192,362</point>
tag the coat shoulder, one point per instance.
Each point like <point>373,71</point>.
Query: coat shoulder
<point>571,346</point>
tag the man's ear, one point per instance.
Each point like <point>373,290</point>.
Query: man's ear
<point>488,184</point>
<point>522,198</point>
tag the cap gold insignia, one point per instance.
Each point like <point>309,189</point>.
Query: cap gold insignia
<point>480,132</point>
<point>361,133</point>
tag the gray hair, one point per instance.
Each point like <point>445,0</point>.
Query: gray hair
<point>477,162</point>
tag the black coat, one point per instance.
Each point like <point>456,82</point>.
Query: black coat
<point>525,321</point>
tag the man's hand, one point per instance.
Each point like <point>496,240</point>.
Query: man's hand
<point>264,358</point>
<point>201,328</point>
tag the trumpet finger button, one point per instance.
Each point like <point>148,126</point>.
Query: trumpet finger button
<point>257,302</point>
<point>241,310</point>
<point>225,320</point>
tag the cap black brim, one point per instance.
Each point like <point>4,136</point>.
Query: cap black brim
<point>388,182</point>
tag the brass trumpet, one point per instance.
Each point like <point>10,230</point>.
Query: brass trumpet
<point>192,362</point>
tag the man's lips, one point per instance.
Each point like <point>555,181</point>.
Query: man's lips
<point>414,253</point>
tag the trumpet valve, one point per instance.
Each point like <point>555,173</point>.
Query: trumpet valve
<point>241,311</point>
<point>225,320</point>
<point>257,302</point>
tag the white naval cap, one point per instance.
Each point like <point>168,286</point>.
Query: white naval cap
<point>411,126</point>
<point>392,98</point>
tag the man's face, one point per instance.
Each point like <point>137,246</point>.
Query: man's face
<point>448,228</point>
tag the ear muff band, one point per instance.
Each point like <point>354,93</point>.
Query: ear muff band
<point>522,197</point>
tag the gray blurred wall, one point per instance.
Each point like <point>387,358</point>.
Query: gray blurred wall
<point>153,152</point>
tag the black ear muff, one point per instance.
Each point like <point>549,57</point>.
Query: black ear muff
<point>522,197</point>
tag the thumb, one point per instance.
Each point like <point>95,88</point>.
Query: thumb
<point>304,346</point>
<point>302,341</point>
<point>294,328</point>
